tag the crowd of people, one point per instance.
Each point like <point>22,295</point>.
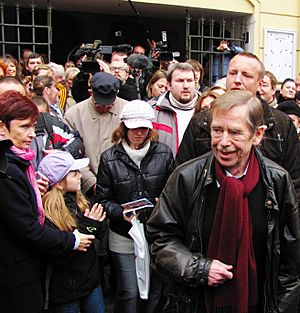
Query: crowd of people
<point>175,195</point>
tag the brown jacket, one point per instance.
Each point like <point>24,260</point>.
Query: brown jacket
<point>96,131</point>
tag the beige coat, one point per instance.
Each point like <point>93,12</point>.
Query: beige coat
<point>96,131</point>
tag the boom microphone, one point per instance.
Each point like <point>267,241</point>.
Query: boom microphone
<point>138,61</point>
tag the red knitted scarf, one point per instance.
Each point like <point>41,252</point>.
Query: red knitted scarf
<point>231,243</point>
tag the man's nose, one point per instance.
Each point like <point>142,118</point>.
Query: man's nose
<point>185,84</point>
<point>225,139</point>
<point>238,78</point>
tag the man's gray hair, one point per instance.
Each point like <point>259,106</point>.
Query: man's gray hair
<point>234,98</point>
<point>178,66</point>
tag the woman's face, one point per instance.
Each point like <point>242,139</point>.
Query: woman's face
<point>20,132</point>
<point>159,87</point>
<point>50,94</point>
<point>206,103</point>
<point>70,80</point>
<point>197,76</point>
<point>288,90</point>
<point>137,136</point>
<point>11,69</point>
<point>72,182</point>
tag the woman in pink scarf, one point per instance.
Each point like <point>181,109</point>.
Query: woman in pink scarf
<point>23,234</point>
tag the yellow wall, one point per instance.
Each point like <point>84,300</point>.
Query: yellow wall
<point>242,6</point>
<point>284,15</point>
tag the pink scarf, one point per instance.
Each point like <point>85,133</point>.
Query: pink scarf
<point>28,154</point>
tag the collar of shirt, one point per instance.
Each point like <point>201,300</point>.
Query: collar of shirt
<point>230,175</point>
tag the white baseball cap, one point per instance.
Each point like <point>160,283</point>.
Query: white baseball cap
<point>137,113</point>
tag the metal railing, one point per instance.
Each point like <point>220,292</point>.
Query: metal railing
<point>203,36</point>
<point>14,33</point>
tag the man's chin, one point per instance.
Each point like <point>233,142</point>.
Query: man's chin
<point>185,100</point>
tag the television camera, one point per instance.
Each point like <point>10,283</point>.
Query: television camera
<point>162,46</point>
<point>94,51</point>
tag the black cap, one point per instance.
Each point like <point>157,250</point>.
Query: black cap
<point>289,107</point>
<point>105,88</point>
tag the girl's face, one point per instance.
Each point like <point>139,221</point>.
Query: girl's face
<point>72,182</point>
<point>137,136</point>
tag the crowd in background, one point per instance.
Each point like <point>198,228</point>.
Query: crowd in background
<point>101,140</point>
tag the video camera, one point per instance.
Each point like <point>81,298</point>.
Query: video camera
<point>162,47</point>
<point>94,51</point>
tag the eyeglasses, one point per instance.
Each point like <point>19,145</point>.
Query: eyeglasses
<point>114,68</point>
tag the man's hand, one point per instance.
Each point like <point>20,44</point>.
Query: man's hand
<point>85,240</point>
<point>129,216</point>
<point>219,273</point>
<point>104,67</point>
<point>96,213</point>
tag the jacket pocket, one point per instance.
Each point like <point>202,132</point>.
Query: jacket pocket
<point>181,302</point>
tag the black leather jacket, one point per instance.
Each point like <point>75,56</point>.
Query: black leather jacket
<point>176,229</point>
<point>280,142</point>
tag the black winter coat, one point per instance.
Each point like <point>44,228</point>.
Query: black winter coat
<point>280,142</point>
<point>76,274</point>
<point>176,227</point>
<point>119,180</point>
<point>22,238</point>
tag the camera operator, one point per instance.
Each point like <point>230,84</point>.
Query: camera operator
<point>89,58</point>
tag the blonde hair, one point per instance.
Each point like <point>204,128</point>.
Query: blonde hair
<point>214,93</point>
<point>57,212</point>
<point>156,76</point>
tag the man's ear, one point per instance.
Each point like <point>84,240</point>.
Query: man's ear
<point>168,86</point>
<point>258,135</point>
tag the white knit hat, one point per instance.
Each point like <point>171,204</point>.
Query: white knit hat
<point>137,113</point>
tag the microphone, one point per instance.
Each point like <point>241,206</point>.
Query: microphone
<point>138,61</point>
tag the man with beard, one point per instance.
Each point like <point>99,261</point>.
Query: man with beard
<point>175,108</point>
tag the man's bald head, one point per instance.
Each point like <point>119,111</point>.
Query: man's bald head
<point>12,83</point>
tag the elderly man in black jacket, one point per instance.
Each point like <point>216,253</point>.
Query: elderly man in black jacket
<point>226,228</point>
<point>280,142</point>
